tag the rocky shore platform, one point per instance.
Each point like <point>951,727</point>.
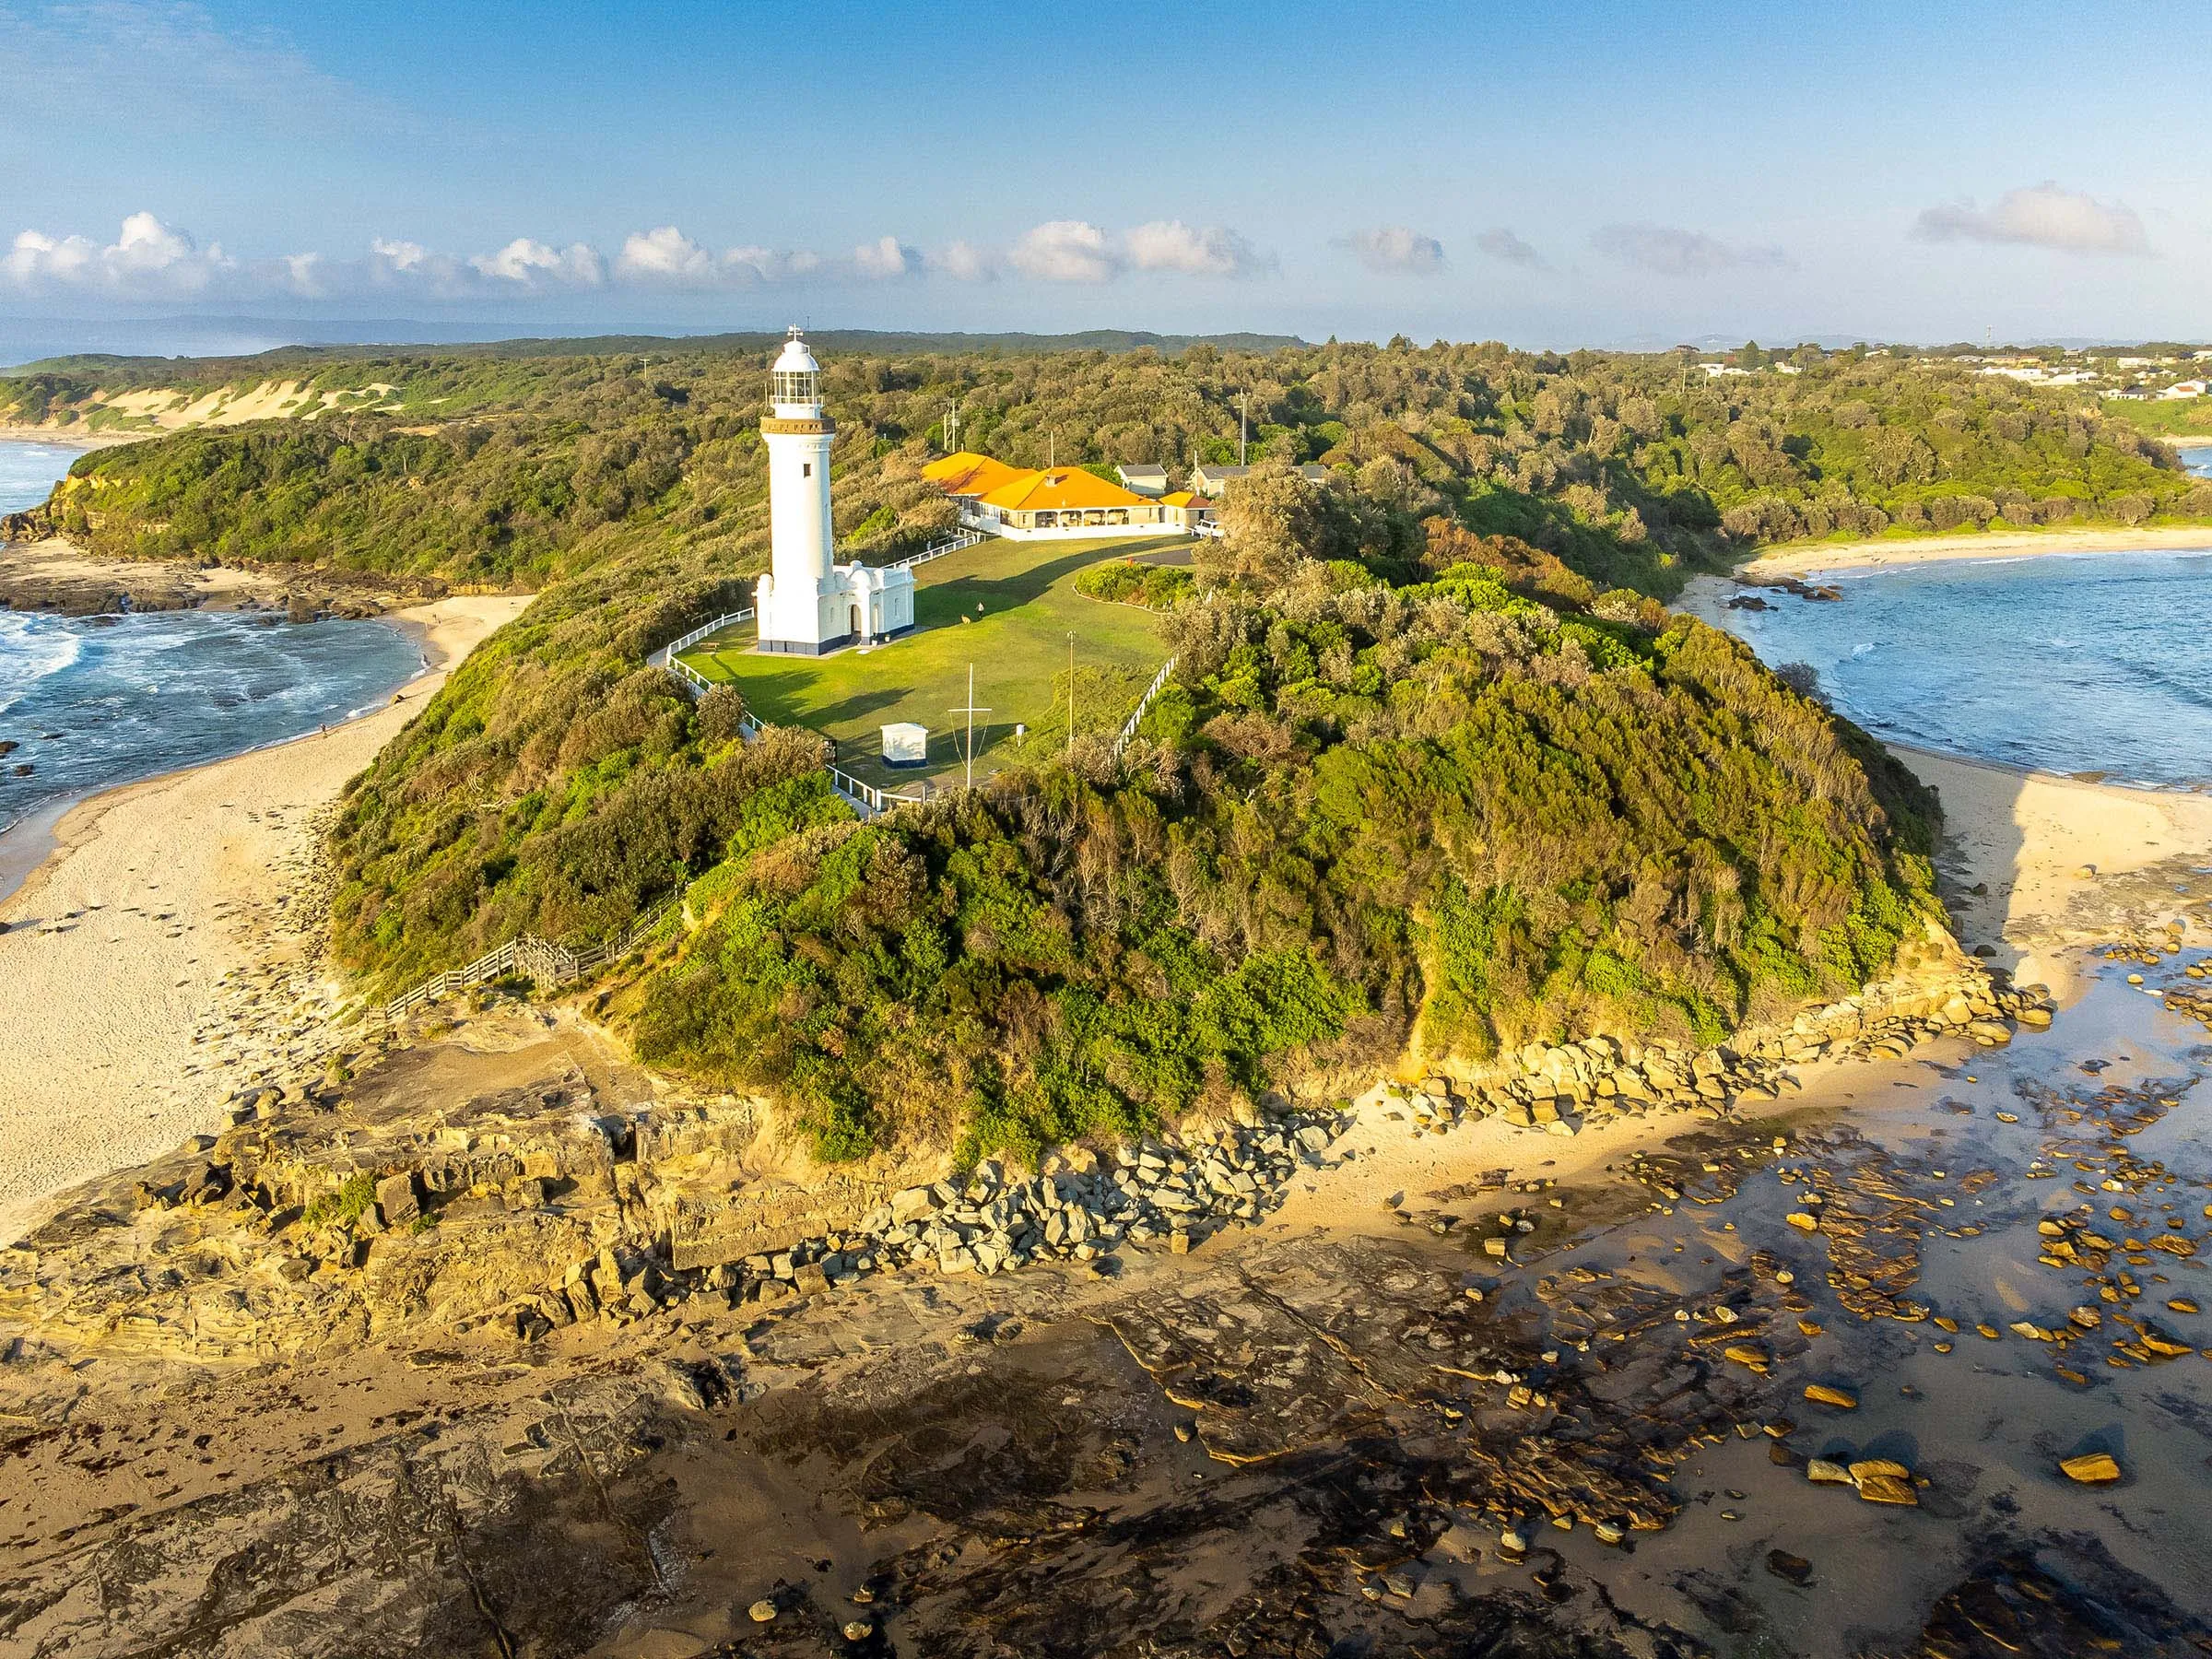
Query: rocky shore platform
<point>40,571</point>
<point>468,1337</point>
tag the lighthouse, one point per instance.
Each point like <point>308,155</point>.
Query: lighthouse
<point>808,604</point>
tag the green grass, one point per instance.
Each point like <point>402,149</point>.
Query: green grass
<point>1018,643</point>
<point>2181,418</point>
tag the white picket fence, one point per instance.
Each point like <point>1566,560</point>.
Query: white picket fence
<point>1159,682</point>
<point>966,538</point>
<point>666,656</point>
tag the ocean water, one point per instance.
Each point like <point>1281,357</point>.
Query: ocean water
<point>29,471</point>
<point>89,701</point>
<point>2198,460</point>
<point>2070,663</point>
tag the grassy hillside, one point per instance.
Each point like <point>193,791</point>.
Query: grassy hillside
<point>1453,814</point>
<point>1007,609</point>
<point>1390,799</point>
<point>2163,418</point>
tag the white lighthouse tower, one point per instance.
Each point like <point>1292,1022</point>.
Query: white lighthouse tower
<point>807,602</point>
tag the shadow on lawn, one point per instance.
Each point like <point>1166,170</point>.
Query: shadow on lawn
<point>942,601</point>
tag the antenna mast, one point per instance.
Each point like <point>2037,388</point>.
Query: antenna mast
<point>972,711</point>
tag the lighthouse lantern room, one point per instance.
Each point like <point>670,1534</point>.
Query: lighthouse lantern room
<point>808,604</point>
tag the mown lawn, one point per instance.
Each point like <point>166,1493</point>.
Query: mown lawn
<point>1017,641</point>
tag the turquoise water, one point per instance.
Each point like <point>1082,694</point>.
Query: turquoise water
<point>2072,663</point>
<point>2198,461</point>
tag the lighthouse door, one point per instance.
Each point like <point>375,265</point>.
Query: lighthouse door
<point>858,631</point>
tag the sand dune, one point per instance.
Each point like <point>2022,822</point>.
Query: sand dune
<point>117,947</point>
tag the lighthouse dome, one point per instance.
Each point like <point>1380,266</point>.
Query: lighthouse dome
<point>795,357</point>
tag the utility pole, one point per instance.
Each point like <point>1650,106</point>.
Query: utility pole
<point>952,426</point>
<point>1243,408</point>
<point>972,711</point>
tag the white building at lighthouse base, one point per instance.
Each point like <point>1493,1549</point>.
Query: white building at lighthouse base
<point>851,605</point>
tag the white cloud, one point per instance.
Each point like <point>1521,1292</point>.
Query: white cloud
<point>666,255</point>
<point>1500,244</point>
<point>1214,251</point>
<point>886,257</point>
<point>151,260</point>
<point>1066,251</point>
<point>1395,249</point>
<point>2041,216</point>
<point>964,261</point>
<point>667,258</point>
<point>529,264</point>
<point>1672,252</point>
<point>147,260</point>
<point>399,255</point>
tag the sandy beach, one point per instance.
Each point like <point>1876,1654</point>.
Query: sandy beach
<point>1930,549</point>
<point>159,895</point>
<point>2061,862</point>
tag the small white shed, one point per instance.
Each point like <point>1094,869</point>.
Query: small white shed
<point>905,744</point>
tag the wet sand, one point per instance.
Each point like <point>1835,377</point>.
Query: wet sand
<point>2059,860</point>
<point>1304,1437</point>
<point>68,436</point>
<point>119,944</point>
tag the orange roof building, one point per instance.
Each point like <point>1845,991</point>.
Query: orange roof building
<point>968,474</point>
<point>1052,501</point>
<point>1186,509</point>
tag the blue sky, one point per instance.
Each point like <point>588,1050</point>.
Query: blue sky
<point>1540,173</point>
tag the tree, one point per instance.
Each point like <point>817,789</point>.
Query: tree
<point>1272,520</point>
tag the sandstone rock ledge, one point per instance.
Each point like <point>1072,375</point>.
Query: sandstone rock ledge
<point>513,1172</point>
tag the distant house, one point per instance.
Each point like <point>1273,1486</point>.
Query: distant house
<point>1210,480</point>
<point>2182,389</point>
<point>1186,509</point>
<point>1025,502</point>
<point>1146,481</point>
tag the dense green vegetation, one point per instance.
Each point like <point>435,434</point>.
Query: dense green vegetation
<point>1436,766</point>
<point>1470,812</point>
<point>1125,581</point>
<point>496,468</point>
